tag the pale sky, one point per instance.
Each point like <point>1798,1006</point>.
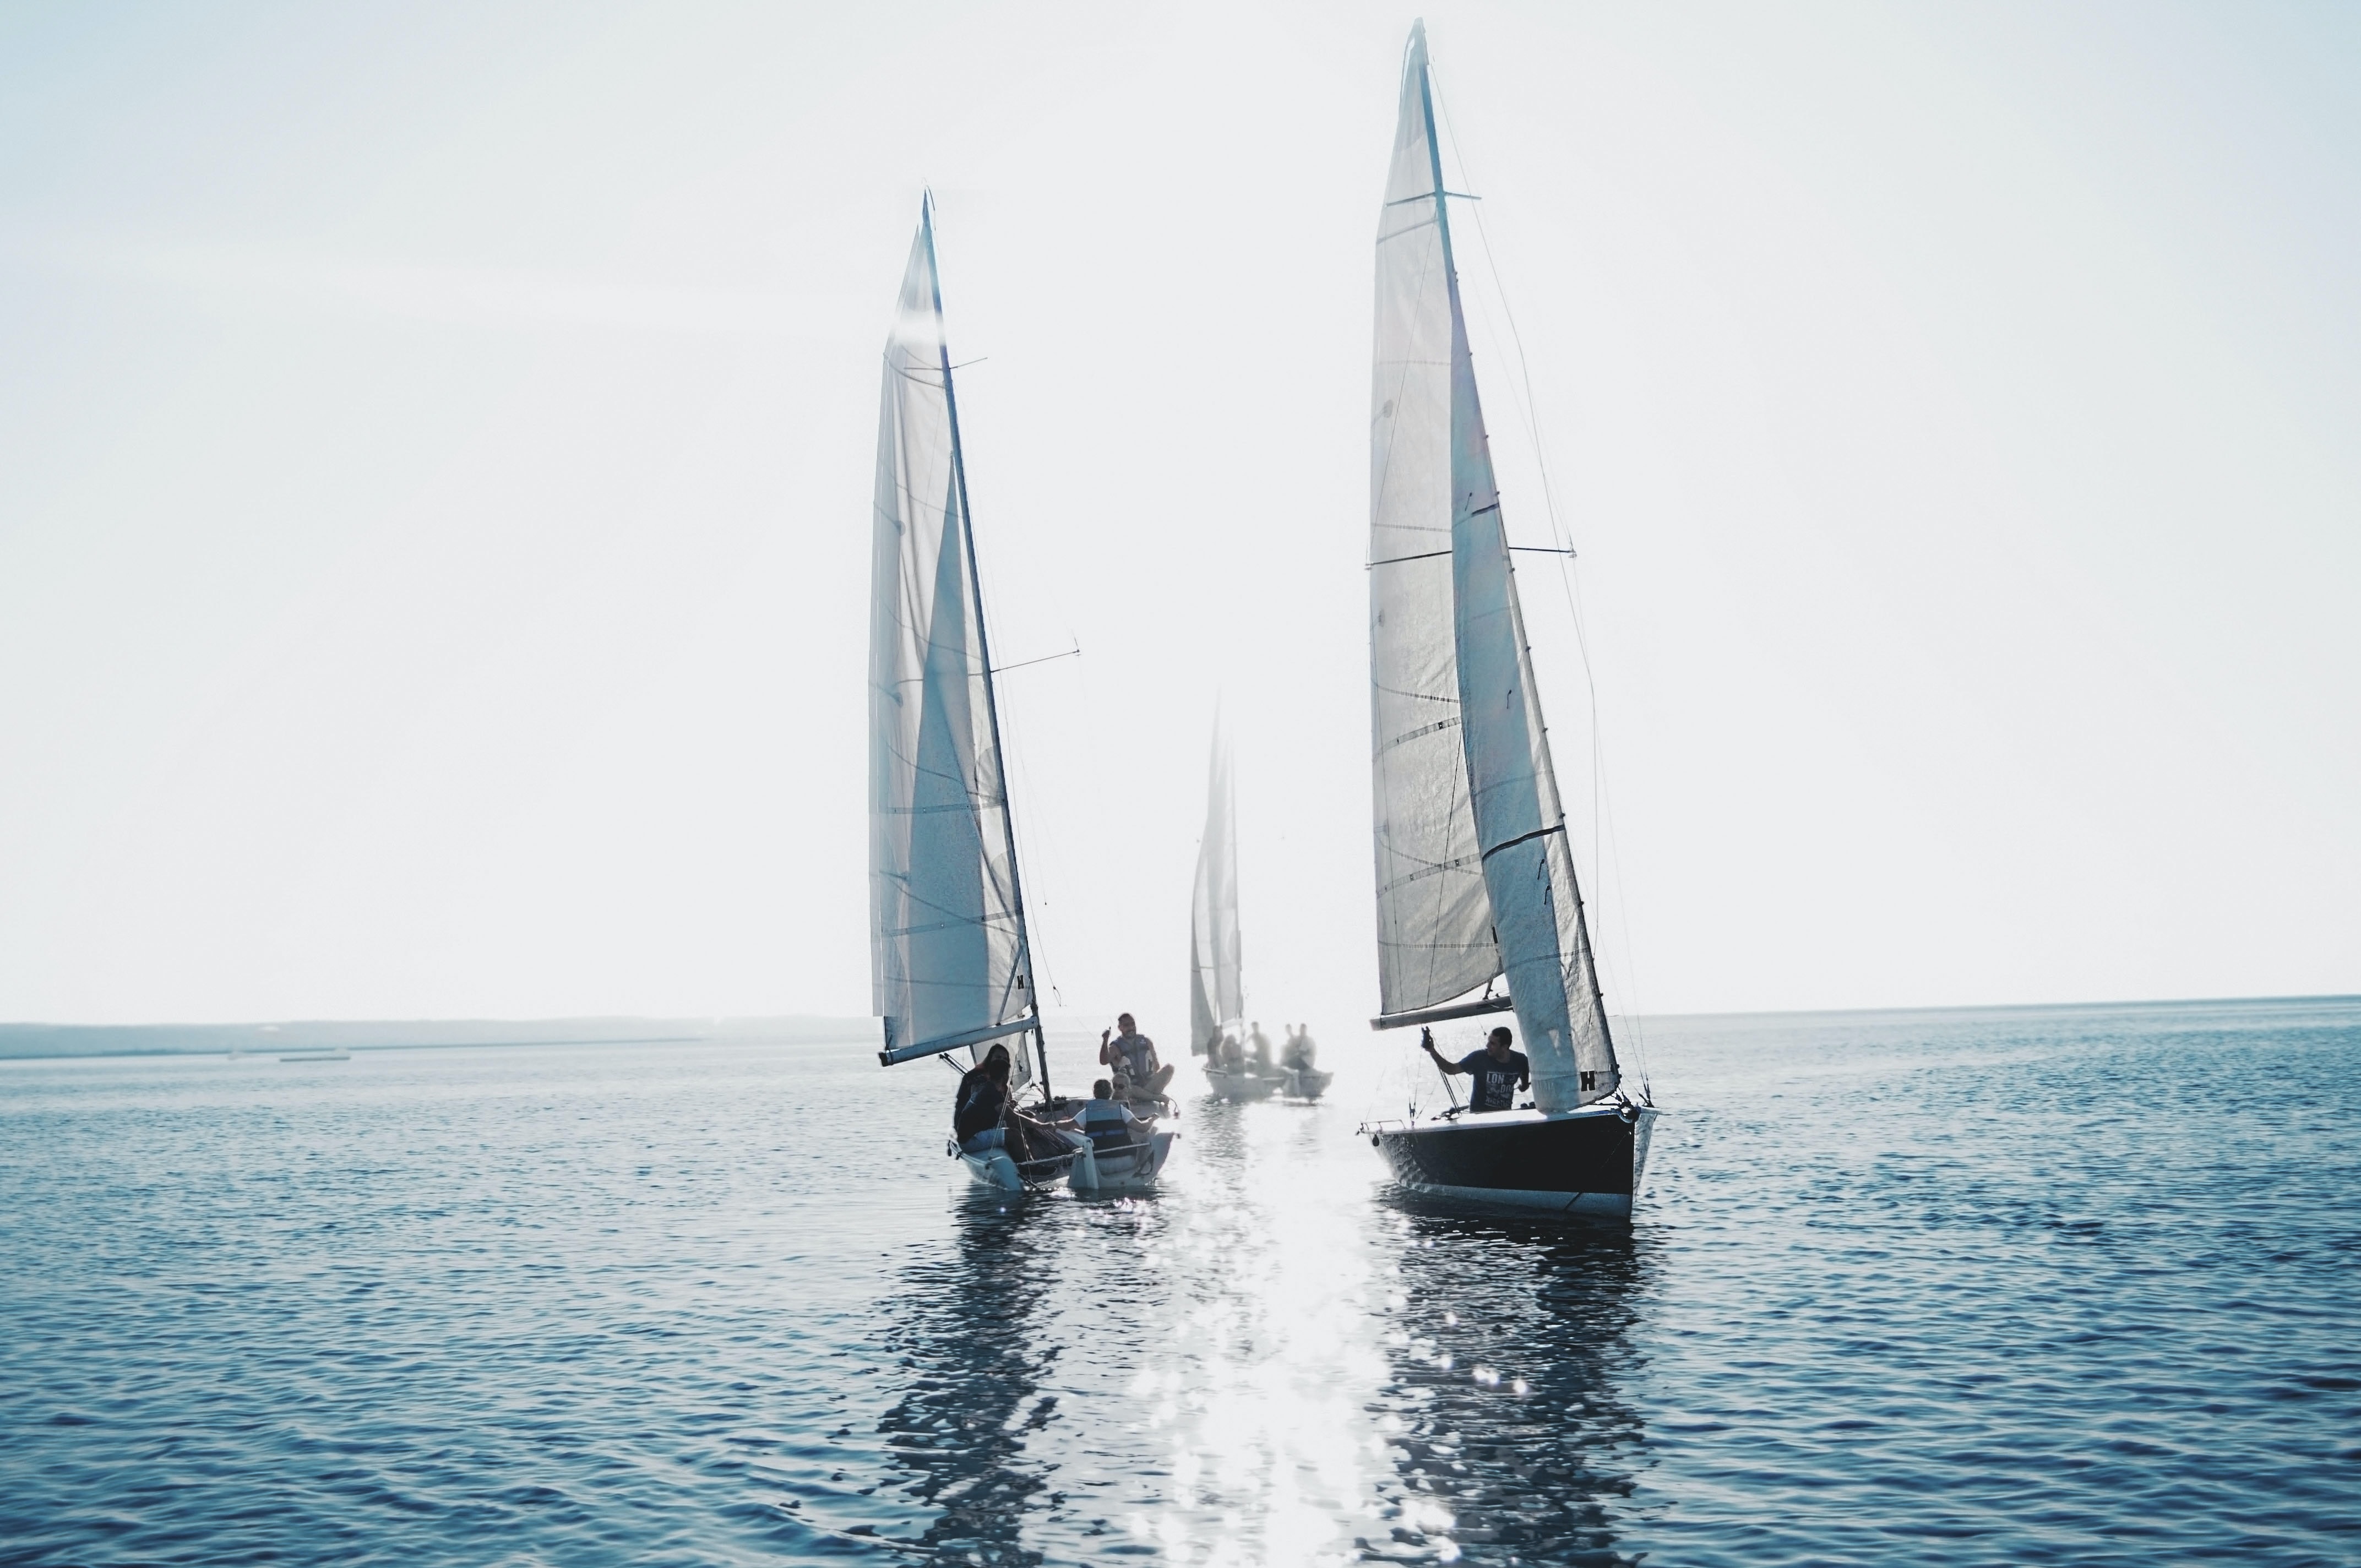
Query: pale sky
<point>435,446</point>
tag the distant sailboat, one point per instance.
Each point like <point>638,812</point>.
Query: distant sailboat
<point>1476,882</point>
<point>1217,1003</point>
<point>951,959</point>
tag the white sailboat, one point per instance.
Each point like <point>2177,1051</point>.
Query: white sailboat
<point>951,960</point>
<point>1217,1003</point>
<point>1475,880</point>
<point>1216,956</point>
<point>951,963</point>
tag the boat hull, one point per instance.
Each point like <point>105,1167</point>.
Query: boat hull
<point>995,1168</point>
<point>1585,1163</point>
<point>1134,1170</point>
<point>1229,1085</point>
<point>1305,1083</point>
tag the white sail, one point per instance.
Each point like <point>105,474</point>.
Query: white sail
<point>1216,977</point>
<point>1434,926</point>
<point>950,965</point>
<point>1449,662</point>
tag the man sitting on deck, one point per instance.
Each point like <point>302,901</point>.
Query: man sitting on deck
<point>1133,1056</point>
<point>1300,1052</point>
<point>1498,1071</point>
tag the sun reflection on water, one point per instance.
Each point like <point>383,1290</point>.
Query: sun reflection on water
<point>1263,1364</point>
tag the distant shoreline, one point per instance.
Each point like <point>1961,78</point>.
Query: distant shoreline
<point>20,1042</point>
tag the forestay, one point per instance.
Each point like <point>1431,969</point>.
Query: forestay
<point>1216,977</point>
<point>949,960</point>
<point>1474,876</point>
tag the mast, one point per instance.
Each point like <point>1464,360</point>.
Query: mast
<point>983,649</point>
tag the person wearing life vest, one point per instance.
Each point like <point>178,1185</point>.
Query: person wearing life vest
<point>1137,1075</point>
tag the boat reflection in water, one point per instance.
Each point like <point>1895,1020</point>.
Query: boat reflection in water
<point>958,1442</point>
<point>1505,1418</point>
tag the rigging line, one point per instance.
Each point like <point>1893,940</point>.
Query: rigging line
<point>1073,653</point>
<point>1600,808</point>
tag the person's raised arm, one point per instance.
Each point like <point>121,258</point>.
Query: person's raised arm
<point>1426,1041</point>
<point>1103,1046</point>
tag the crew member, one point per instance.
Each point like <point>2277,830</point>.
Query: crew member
<point>982,1101</point>
<point>1106,1121</point>
<point>1132,1056</point>
<point>1498,1071</point>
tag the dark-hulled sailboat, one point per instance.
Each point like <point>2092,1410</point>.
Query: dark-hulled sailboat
<point>1475,878</point>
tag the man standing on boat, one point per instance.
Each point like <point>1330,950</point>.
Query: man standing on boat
<point>1133,1056</point>
<point>1498,1071</point>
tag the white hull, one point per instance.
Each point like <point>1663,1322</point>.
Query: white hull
<point>993,1168</point>
<point>1305,1083</point>
<point>1096,1171</point>
<point>1230,1085</point>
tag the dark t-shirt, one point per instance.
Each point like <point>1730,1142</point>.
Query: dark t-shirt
<point>1496,1081</point>
<point>982,1099</point>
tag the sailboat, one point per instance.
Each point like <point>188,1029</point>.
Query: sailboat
<point>1475,878</point>
<point>951,959</point>
<point>1216,968</point>
<point>951,964</point>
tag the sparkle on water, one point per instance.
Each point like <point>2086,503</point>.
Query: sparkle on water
<point>2066,1285</point>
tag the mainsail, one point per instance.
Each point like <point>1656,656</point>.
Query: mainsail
<point>1216,983</point>
<point>950,961</point>
<point>1474,876</point>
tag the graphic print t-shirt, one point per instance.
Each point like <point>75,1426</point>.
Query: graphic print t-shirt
<point>1496,1081</point>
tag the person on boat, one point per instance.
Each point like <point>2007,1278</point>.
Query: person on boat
<point>982,1104</point>
<point>1106,1121</point>
<point>1260,1044</point>
<point>1137,1074</point>
<point>1229,1056</point>
<point>1498,1070</point>
<point>1300,1053</point>
<point>986,1116</point>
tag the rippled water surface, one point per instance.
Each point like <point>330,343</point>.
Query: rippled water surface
<point>2072,1285</point>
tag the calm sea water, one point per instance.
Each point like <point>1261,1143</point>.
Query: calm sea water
<point>2073,1286</point>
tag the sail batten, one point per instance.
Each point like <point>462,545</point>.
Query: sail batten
<point>1475,878</point>
<point>949,964</point>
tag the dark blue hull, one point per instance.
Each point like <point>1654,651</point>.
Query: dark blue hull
<point>1586,1162</point>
